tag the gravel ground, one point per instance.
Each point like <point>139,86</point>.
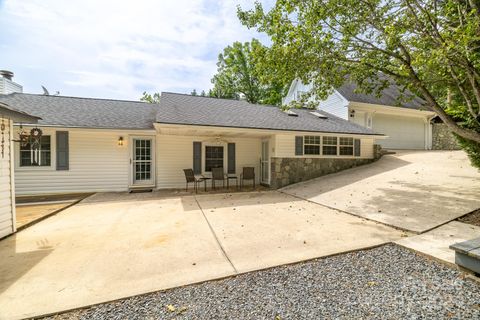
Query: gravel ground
<point>387,282</point>
<point>472,218</point>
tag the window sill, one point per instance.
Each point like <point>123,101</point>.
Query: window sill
<point>50,168</point>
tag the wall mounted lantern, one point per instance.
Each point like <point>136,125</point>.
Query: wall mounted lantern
<point>120,141</point>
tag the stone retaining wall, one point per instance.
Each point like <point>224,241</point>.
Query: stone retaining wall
<point>442,138</point>
<point>285,171</point>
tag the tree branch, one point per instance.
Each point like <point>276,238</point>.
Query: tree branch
<point>463,92</point>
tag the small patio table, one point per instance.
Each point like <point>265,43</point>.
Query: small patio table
<point>205,181</point>
<point>232,177</point>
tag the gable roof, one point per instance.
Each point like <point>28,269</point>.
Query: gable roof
<point>174,108</point>
<point>84,112</point>
<point>185,109</point>
<point>388,97</point>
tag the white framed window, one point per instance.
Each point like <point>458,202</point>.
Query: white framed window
<point>346,146</point>
<point>311,145</point>
<point>214,157</point>
<point>329,147</point>
<point>37,157</point>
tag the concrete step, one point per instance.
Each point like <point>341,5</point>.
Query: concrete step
<point>467,254</point>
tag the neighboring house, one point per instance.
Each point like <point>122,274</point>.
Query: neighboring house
<point>407,126</point>
<point>93,145</point>
<point>7,182</point>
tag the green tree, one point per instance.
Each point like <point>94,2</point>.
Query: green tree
<point>238,75</point>
<point>430,47</point>
<point>147,97</point>
<point>194,92</point>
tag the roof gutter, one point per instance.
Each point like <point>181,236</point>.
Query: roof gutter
<point>19,123</point>
<point>265,130</point>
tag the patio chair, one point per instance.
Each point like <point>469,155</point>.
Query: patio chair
<point>247,174</point>
<point>190,178</point>
<point>218,175</point>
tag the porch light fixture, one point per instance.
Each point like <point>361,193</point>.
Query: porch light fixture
<point>120,141</point>
<point>352,113</point>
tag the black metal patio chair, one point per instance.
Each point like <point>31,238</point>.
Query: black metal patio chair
<point>247,174</point>
<point>218,175</point>
<point>190,178</point>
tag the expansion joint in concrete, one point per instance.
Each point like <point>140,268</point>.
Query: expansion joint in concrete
<point>216,237</point>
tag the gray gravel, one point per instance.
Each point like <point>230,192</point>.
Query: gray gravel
<point>388,282</point>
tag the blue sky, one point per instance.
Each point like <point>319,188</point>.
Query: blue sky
<point>116,48</point>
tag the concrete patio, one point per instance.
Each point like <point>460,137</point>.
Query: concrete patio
<point>414,190</point>
<point>116,245</point>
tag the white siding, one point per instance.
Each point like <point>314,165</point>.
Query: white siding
<point>403,132</point>
<point>6,180</point>
<point>285,147</point>
<point>97,163</point>
<point>175,153</point>
<point>336,105</point>
<point>8,86</point>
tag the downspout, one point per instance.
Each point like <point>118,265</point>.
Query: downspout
<point>428,132</point>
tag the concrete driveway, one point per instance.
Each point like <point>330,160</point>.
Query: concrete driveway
<point>414,191</point>
<point>111,246</point>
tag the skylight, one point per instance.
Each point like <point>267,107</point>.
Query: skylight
<point>319,115</point>
<point>291,113</point>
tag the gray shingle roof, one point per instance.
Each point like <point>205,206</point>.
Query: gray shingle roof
<point>16,115</point>
<point>389,97</point>
<point>174,108</point>
<point>186,110</point>
<point>84,112</point>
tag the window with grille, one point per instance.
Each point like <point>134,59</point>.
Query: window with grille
<point>329,147</point>
<point>36,157</point>
<point>213,157</point>
<point>311,145</point>
<point>346,146</point>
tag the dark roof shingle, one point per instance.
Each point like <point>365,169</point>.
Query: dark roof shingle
<point>204,111</point>
<point>174,108</point>
<point>389,97</point>
<point>84,112</point>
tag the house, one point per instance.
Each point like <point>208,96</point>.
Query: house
<point>8,115</point>
<point>407,126</point>
<point>92,145</point>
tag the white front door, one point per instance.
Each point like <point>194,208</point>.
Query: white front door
<point>265,164</point>
<point>142,161</point>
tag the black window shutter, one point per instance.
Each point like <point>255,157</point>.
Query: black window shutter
<point>299,146</point>
<point>62,150</point>
<point>357,148</point>
<point>231,158</point>
<point>197,157</point>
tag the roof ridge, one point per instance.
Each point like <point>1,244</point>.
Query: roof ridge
<point>74,97</point>
<point>227,99</point>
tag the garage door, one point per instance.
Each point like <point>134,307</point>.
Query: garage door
<point>403,132</point>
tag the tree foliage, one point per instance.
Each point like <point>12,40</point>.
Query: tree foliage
<point>150,98</point>
<point>240,75</point>
<point>430,47</point>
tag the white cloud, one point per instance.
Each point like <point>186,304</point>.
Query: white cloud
<point>115,48</point>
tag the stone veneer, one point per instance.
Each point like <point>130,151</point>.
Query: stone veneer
<point>442,138</point>
<point>285,171</point>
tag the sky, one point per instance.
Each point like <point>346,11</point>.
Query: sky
<point>116,48</point>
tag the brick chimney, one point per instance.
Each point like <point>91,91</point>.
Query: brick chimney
<point>7,85</point>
